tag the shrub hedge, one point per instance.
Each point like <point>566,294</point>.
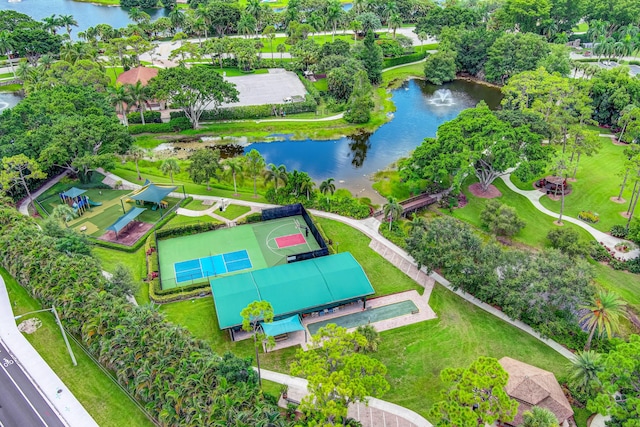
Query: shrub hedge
<point>404,59</point>
<point>589,216</point>
<point>149,117</point>
<point>174,125</point>
<point>253,111</point>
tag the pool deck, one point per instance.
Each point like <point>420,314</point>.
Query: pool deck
<point>424,313</point>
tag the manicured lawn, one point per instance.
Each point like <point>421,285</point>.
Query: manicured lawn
<point>11,88</point>
<point>538,224</point>
<point>6,75</point>
<point>598,180</point>
<point>196,205</point>
<point>415,354</point>
<point>233,211</point>
<point>187,220</point>
<point>150,171</point>
<point>389,184</point>
<point>100,396</point>
<point>400,74</point>
<point>625,284</point>
<point>321,85</point>
<point>136,262</point>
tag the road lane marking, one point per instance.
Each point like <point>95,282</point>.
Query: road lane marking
<point>24,396</point>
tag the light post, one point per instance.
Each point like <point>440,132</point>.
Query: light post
<point>337,247</point>
<point>64,334</point>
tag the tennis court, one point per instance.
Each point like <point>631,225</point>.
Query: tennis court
<point>212,266</point>
<point>192,259</point>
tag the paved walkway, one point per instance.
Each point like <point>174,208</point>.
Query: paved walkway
<point>607,240</point>
<point>50,386</point>
<point>376,413</point>
<point>23,206</point>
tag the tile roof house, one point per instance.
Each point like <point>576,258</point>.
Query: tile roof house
<point>137,74</point>
<point>532,386</point>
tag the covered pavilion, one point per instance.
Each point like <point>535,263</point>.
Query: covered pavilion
<point>312,287</point>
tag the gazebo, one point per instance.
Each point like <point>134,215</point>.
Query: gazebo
<point>553,185</point>
<point>532,386</point>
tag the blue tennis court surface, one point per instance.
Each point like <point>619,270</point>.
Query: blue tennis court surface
<point>212,266</point>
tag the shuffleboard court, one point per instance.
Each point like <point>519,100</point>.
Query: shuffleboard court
<point>194,258</point>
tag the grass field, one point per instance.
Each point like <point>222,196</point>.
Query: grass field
<point>538,224</point>
<point>136,263</point>
<point>11,88</point>
<point>100,396</point>
<point>196,205</point>
<point>598,179</point>
<point>414,354</point>
<point>232,212</point>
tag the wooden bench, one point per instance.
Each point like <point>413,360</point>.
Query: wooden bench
<point>282,337</point>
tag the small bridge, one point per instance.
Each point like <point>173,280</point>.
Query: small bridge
<point>414,203</point>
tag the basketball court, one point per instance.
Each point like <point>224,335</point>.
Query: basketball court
<point>193,259</point>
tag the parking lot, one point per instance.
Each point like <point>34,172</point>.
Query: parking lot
<point>271,88</point>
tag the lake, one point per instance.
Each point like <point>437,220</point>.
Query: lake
<point>352,161</point>
<point>87,14</point>
<point>8,100</point>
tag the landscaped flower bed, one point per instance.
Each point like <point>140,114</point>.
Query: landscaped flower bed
<point>589,216</point>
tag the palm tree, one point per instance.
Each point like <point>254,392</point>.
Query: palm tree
<point>170,166</point>
<point>51,24</point>
<point>137,15</point>
<point>306,185</point>
<point>539,417</point>
<point>281,48</point>
<point>120,98</point>
<point>255,165</point>
<point>395,22</point>
<point>392,210</point>
<point>136,154</point>
<point>65,213</point>
<point>334,14</point>
<point>6,46</point>
<point>67,21</point>
<point>139,95</point>
<point>584,369</point>
<point>603,314</point>
<point>355,26</point>
<point>177,18</point>
<point>234,165</point>
<point>276,173</point>
<point>327,186</point>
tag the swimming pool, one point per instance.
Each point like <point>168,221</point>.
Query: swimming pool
<point>368,316</point>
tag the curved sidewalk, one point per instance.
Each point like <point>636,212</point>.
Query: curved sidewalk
<point>607,240</point>
<point>375,413</point>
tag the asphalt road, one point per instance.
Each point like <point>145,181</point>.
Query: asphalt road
<point>21,405</point>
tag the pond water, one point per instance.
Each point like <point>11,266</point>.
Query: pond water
<point>8,100</point>
<point>352,161</point>
<point>87,14</point>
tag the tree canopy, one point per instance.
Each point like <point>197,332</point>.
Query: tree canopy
<point>193,90</point>
<point>478,142</point>
<point>475,395</point>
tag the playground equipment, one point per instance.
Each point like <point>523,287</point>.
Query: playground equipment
<point>75,199</point>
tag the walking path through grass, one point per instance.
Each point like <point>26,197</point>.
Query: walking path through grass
<point>607,240</point>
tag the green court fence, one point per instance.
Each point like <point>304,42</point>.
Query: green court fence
<point>293,210</point>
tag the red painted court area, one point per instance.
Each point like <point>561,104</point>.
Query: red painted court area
<point>290,240</point>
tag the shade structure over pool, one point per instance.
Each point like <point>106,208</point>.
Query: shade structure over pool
<point>153,193</point>
<point>290,324</point>
<point>125,219</point>
<point>299,287</point>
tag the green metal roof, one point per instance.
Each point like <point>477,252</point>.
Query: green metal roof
<point>290,324</point>
<point>291,288</point>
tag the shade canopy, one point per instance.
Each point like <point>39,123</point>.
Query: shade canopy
<point>294,288</point>
<point>73,192</point>
<point>290,324</point>
<point>125,219</point>
<point>153,193</point>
